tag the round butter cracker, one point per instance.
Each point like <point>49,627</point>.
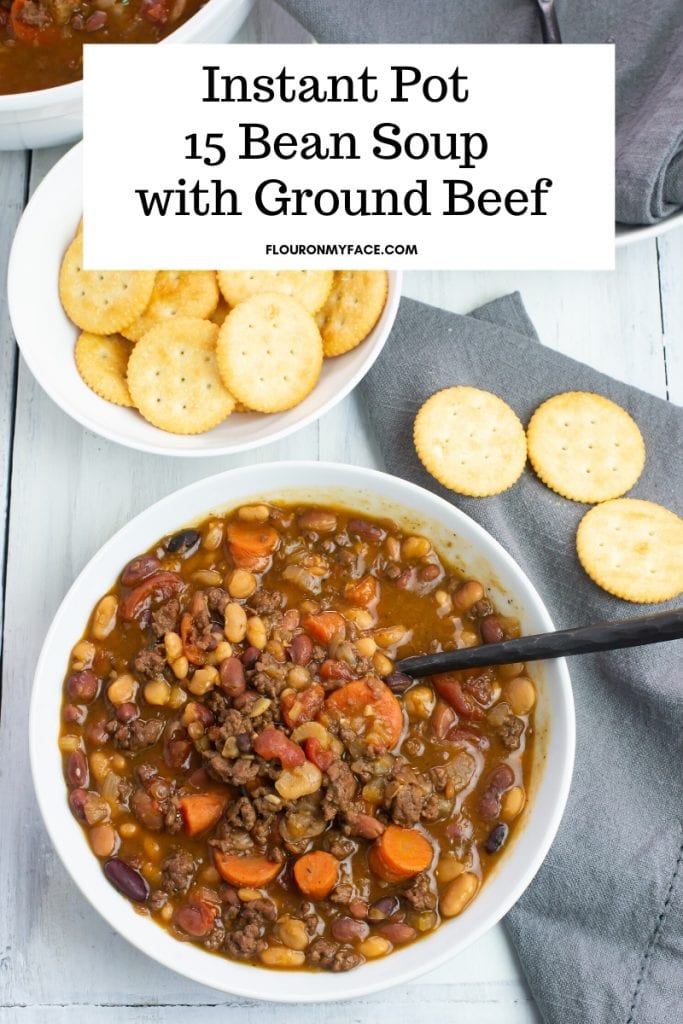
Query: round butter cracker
<point>177,293</point>
<point>270,353</point>
<point>174,380</point>
<point>585,447</point>
<point>633,549</point>
<point>470,441</point>
<point>309,287</point>
<point>352,309</point>
<point>102,361</point>
<point>101,301</point>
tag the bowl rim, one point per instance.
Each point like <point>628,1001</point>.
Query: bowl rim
<point>352,478</point>
<point>17,305</point>
<point>16,102</point>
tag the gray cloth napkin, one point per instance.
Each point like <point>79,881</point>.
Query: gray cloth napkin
<point>600,930</point>
<point>649,51</point>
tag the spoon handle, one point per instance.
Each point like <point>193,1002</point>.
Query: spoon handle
<point>607,636</point>
<point>550,27</point>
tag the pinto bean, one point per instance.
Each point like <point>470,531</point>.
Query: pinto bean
<point>318,520</point>
<point>367,827</point>
<point>126,879</point>
<point>77,798</point>
<point>139,569</point>
<point>368,531</point>
<point>301,649</point>
<point>82,686</point>
<point>76,713</point>
<point>127,712</point>
<point>501,778</point>
<point>345,929</point>
<point>76,769</point>
<point>231,677</point>
<point>397,932</point>
<point>96,732</point>
<point>443,719</point>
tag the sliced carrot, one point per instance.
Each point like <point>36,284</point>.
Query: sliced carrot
<point>400,853</point>
<point>316,874</point>
<point>362,592</point>
<point>251,545</point>
<point>324,626</point>
<point>201,811</point>
<point>253,871</point>
<point>371,709</point>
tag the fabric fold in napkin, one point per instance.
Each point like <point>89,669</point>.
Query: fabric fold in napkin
<point>599,932</point>
<point>649,55</point>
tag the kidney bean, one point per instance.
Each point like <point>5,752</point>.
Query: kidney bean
<point>491,629</point>
<point>139,569</point>
<point>345,929</point>
<point>231,675</point>
<point>500,779</point>
<point>249,657</point>
<point>161,584</point>
<point>185,542</point>
<point>126,879</point>
<point>301,649</point>
<point>77,798</point>
<point>127,712</point>
<point>318,520</point>
<point>461,735</point>
<point>443,719</point>
<point>96,732</point>
<point>496,838</point>
<point>82,686</point>
<point>96,21</point>
<point>195,919</point>
<point>76,770</point>
<point>380,910</point>
<point>199,779</point>
<point>399,682</point>
<point>75,713</point>
<point>397,932</point>
<point>448,686</point>
<point>429,573</point>
<point>405,579</point>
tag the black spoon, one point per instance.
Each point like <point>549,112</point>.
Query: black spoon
<point>607,636</point>
<point>550,27</point>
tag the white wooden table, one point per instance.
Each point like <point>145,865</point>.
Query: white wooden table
<point>64,492</point>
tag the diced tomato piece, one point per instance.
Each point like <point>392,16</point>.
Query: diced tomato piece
<point>297,708</point>
<point>272,744</point>
<point>332,669</point>
<point>160,586</point>
<point>322,759</point>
